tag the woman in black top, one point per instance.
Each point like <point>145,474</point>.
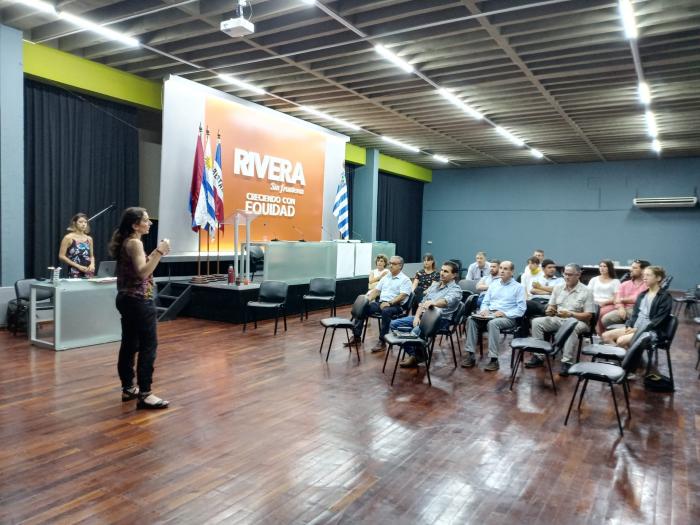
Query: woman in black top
<point>423,279</point>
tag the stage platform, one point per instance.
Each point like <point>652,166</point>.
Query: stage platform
<point>220,301</point>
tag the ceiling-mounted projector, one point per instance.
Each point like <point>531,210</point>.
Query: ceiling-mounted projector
<point>238,26</point>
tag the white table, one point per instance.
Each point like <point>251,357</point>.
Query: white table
<point>84,314</point>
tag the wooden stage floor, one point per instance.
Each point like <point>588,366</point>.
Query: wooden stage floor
<point>261,430</point>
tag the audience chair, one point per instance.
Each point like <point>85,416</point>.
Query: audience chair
<point>469,285</point>
<point>357,311</point>
<point>690,300</point>
<point>405,311</point>
<point>23,291</point>
<point>663,341</point>
<point>589,333</point>
<point>610,374</point>
<point>450,331</point>
<point>107,269</point>
<point>321,290</point>
<point>460,268</point>
<point>429,325</point>
<point>530,344</point>
<point>469,309</point>
<point>609,353</point>
<point>272,296</point>
<point>257,261</point>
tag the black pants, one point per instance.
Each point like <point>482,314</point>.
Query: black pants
<point>371,308</point>
<point>138,336</point>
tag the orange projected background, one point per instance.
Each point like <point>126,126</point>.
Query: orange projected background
<point>268,148</point>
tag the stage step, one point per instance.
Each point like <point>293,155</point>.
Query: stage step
<point>171,300</point>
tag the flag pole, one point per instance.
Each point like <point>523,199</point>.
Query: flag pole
<point>199,252</point>
<point>218,252</point>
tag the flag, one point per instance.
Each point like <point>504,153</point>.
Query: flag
<point>218,185</point>
<point>197,207</point>
<point>340,208</point>
<point>208,187</point>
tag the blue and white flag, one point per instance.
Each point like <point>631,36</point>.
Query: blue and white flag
<point>340,208</point>
<point>208,187</point>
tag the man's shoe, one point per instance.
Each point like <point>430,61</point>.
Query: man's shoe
<point>534,362</point>
<point>409,362</point>
<point>492,365</point>
<point>564,370</point>
<point>469,361</point>
<point>379,347</point>
<point>353,341</point>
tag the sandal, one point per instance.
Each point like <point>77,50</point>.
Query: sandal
<point>130,393</point>
<point>151,402</point>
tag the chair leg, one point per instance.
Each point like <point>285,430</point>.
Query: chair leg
<point>617,412</point>
<point>583,391</point>
<point>255,318</point>
<point>284,318</point>
<point>386,356</point>
<point>625,389</point>
<point>428,356</point>
<point>357,346</point>
<point>330,344</point>
<point>396,365</point>
<point>323,339</point>
<point>245,317</point>
<point>568,413</point>
<point>303,309</point>
<point>364,328</point>
<point>277,315</point>
<point>452,346</point>
<point>551,375</point>
<point>514,370</point>
<point>670,368</point>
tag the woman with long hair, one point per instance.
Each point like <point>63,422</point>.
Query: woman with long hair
<point>651,311</point>
<point>76,248</point>
<point>423,279</point>
<point>603,287</point>
<point>136,306</point>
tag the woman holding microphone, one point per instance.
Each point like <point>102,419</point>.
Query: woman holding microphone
<point>135,303</point>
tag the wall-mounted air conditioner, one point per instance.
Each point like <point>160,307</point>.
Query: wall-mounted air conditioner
<point>665,202</point>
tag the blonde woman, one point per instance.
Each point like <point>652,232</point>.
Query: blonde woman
<point>76,248</point>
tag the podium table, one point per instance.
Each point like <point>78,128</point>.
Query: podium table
<point>84,314</point>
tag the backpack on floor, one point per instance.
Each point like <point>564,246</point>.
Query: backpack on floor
<point>658,383</point>
<point>17,316</point>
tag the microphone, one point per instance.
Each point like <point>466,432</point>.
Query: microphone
<point>299,232</point>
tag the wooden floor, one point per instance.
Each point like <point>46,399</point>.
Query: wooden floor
<point>262,430</point>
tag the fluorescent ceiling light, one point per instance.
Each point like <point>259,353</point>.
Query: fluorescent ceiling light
<point>440,158</point>
<point>325,116</point>
<point>651,124</point>
<point>644,93</point>
<point>656,146</point>
<point>536,153</point>
<point>310,2</point>
<point>463,106</point>
<point>401,144</point>
<point>628,20</point>
<point>39,6</point>
<point>100,30</point>
<point>515,140</point>
<point>241,84</point>
<point>391,57</point>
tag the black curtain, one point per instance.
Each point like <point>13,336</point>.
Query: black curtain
<point>81,154</point>
<point>400,215</point>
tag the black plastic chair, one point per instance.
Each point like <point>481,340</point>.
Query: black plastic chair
<point>663,341</point>
<point>429,326</point>
<point>690,300</point>
<point>469,309</point>
<point>107,269</point>
<point>533,345</point>
<point>610,374</point>
<point>609,352</point>
<point>460,268</point>
<point>469,285</point>
<point>23,290</point>
<point>257,260</point>
<point>272,295</point>
<point>405,312</point>
<point>589,333</point>
<point>357,311</point>
<point>321,290</point>
<point>451,329</point>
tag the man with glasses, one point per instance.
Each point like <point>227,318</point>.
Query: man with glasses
<point>393,291</point>
<point>571,299</point>
<point>626,295</point>
<point>479,268</point>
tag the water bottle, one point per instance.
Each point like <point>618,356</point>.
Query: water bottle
<point>230,274</point>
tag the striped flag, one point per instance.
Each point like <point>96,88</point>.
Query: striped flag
<point>208,186</point>
<point>197,205</point>
<point>218,185</point>
<point>340,208</point>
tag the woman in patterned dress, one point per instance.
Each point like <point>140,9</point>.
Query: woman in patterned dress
<point>76,248</point>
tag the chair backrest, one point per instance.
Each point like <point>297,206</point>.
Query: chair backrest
<point>468,285</point>
<point>625,277</point>
<point>564,332</point>
<point>697,291</point>
<point>430,322</point>
<point>23,289</point>
<point>107,269</point>
<point>470,304</point>
<point>666,283</point>
<point>358,307</point>
<point>273,292</point>
<point>406,306</point>
<point>666,336</point>
<point>457,314</point>
<point>634,354</point>
<point>322,286</point>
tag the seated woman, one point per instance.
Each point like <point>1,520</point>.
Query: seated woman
<point>379,272</point>
<point>651,311</point>
<point>603,288</point>
<point>76,248</point>
<point>423,279</point>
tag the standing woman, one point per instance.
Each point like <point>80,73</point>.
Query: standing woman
<point>603,288</point>
<point>76,248</point>
<point>136,306</point>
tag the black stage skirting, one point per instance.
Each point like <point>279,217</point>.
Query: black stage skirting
<point>221,303</point>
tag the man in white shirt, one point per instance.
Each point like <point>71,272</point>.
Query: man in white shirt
<point>479,268</point>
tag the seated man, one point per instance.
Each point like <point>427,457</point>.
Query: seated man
<point>571,299</point>
<point>541,288</point>
<point>532,274</point>
<point>444,294</point>
<point>478,268</point>
<point>539,255</point>
<point>393,290</point>
<point>626,295</point>
<point>504,302</point>
<point>486,280</point>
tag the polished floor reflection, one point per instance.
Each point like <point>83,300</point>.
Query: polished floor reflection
<point>262,430</point>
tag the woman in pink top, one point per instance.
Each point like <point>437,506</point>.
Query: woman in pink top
<point>626,295</point>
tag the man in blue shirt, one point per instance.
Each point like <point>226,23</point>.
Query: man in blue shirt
<point>503,303</point>
<point>393,291</point>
